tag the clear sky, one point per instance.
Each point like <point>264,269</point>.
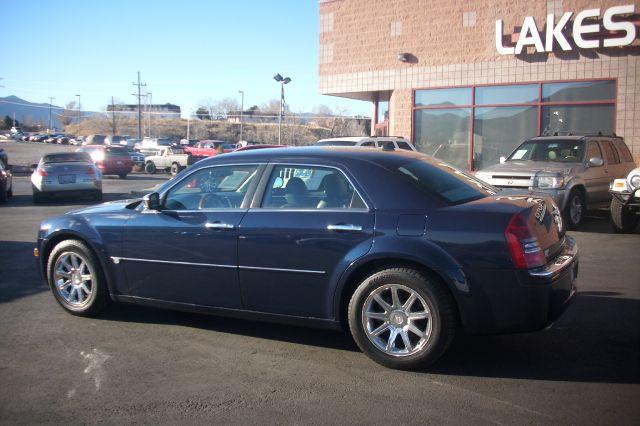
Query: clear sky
<point>186,50</point>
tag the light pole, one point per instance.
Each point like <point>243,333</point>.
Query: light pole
<point>50,101</point>
<point>78,96</point>
<point>282,81</point>
<point>241,112</point>
<point>149,107</point>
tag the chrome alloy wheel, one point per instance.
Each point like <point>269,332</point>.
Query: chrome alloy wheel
<point>575,210</point>
<point>73,279</point>
<point>396,320</point>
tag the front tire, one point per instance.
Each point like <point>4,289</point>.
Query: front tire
<point>150,168</point>
<point>402,318</point>
<point>75,277</point>
<point>175,169</point>
<point>623,219</point>
<point>122,175</point>
<point>574,210</point>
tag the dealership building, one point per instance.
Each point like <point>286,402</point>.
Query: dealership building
<point>467,81</point>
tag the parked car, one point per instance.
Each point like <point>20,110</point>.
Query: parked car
<point>288,235</point>
<point>153,146</point>
<point>209,148</point>
<point>94,140</point>
<point>136,157</point>
<point>64,140</point>
<point>53,138</point>
<point>77,140</point>
<point>6,182</point>
<point>625,202</point>
<point>115,140</point>
<point>172,159</point>
<point>574,170</point>
<point>111,160</point>
<point>188,142</point>
<point>4,158</point>
<point>40,138</point>
<point>130,143</point>
<point>368,142</point>
<point>66,173</point>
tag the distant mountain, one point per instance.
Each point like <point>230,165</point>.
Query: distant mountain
<point>28,111</point>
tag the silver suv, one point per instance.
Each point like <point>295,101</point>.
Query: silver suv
<point>574,170</point>
<point>368,142</point>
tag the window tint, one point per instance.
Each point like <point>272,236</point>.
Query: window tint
<point>404,145</point>
<point>442,97</point>
<point>368,143</point>
<point>211,188</point>
<point>512,94</point>
<point>67,157</point>
<point>610,152</point>
<point>444,181</point>
<point>336,143</point>
<point>623,150</point>
<point>310,187</point>
<point>593,150</point>
<point>579,91</point>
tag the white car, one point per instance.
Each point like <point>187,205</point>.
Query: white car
<point>625,202</point>
<point>368,142</point>
<point>66,173</point>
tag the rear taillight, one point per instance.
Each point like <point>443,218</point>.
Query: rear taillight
<point>91,171</point>
<point>42,172</point>
<point>525,250</point>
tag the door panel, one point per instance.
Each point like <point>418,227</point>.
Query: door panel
<point>288,258</point>
<point>174,256</point>
<point>596,179</point>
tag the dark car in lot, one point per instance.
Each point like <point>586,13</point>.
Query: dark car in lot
<point>111,160</point>
<point>6,183</point>
<point>398,247</point>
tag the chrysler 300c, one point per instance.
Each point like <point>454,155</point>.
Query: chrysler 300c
<point>403,250</point>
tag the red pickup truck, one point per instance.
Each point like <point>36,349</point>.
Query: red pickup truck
<point>209,148</point>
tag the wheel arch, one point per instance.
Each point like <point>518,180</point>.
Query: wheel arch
<point>577,186</point>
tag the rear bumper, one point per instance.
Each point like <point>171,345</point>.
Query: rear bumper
<point>112,170</point>
<point>513,301</point>
<point>71,187</point>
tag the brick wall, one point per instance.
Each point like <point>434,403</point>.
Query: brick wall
<point>453,43</point>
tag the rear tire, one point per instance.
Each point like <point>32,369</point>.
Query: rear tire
<point>76,260</point>
<point>97,196</point>
<point>4,195</point>
<point>175,169</point>
<point>424,328</point>
<point>122,175</point>
<point>38,197</point>
<point>623,219</point>
<point>150,168</point>
<point>574,210</point>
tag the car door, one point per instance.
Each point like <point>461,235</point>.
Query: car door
<point>187,252</point>
<point>596,178</point>
<point>305,225</point>
<point>614,165</point>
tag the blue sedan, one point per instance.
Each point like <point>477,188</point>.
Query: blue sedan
<point>401,249</point>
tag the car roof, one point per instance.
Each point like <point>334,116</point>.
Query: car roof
<point>314,153</point>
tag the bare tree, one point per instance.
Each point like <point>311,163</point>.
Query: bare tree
<point>68,113</point>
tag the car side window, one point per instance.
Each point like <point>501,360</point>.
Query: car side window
<point>222,187</point>
<point>610,152</point>
<point>310,187</point>
<point>593,150</point>
<point>623,151</point>
<point>404,145</point>
<point>368,143</point>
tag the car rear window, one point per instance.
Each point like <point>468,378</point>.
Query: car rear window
<point>66,157</point>
<point>444,181</point>
<point>117,152</point>
<point>623,150</point>
<point>404,145</point>
<point>336,143</point>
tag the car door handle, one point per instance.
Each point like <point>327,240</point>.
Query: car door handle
<point>348,228</point>
<point>219,225</point>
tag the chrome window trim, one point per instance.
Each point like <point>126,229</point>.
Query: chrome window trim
<point>355,188</point>
<point>116,260</point>
<point>308,210</point>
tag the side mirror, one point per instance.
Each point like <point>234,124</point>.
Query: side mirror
<point>503,159</point>
<point>596,162</point>
<point>152,201</point>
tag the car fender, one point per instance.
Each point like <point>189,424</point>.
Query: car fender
<point>418,250</point>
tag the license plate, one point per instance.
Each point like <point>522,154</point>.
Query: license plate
<point>119,163</point>
<point>67,179</point>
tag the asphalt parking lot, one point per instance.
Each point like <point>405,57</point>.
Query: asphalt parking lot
<point>143,365</point>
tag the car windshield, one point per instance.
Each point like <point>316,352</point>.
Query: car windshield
<point>164,142</point>
<point>336,143</point>
<point>560,151</point>
<point>444,181</point>
<point>66,157</point>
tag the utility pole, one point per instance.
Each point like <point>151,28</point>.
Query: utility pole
<point>241,113</point>
<point>149,108</point>
<point>113,117</point>
<point>188,125</point>
<point>50,101</point>
<point>78,96</point>
<point>139,96</point>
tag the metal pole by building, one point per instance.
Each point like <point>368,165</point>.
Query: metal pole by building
<point>78,114</point>
<point>281,113</point>
<point>50,101</point>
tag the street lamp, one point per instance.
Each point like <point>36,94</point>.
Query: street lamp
<point>241,112</point>
<point>78,96</point>
<point>282,82</point>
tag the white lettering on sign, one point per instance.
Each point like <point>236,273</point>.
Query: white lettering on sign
<point>529,35</point>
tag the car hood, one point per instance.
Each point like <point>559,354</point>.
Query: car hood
<point>530,167</point>
<point>109,207</point>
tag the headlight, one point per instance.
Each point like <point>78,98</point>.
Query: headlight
<point>635,181</point>
<point>549,182</point>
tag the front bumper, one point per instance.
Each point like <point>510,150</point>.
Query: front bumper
<point>513,301</point>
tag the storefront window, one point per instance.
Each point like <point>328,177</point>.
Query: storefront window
<point>444,134</point>
<point>580,91</point>
<point>505,115</point>
<point>515,94</point>
<point>443,97</point>
<point>383,111</point>
<point>498,131</point>
<point>577,118</point>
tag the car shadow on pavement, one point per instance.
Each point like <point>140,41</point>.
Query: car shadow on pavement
<point>19,276</point>
<point>596,340</point>
<point>599,222</point>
